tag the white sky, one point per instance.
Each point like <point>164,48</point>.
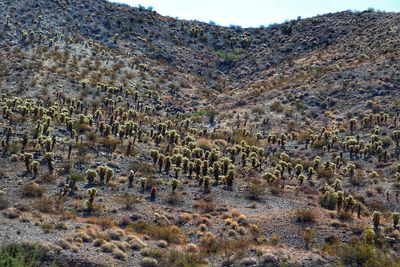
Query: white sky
<point>256,12</point>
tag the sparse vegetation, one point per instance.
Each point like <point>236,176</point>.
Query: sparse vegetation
<point>236,140</point>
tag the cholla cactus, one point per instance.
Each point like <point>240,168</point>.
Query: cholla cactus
<point>352,123</point>
<point>350,169</point>
<point>167,164</point>
<point>92,193</point>
<point>8,20</point>
<point>270,177</point>
<point>216,171</point>
<point>91,176</point>
<point>337,185</point>
<point>349,202</point>
<point>316,161</point>
<point>153,193</point>
<point>27,160</point>
<point>298,169</point>
<point>396,137</point>
<point>301,179</point>
<point>109,174</point>
<point>160,162</point>
<point>173,137</point>
<point>204,168</point>
<point>154,155</point>
<point>177,170</point>
<point>395,218</point>
<point>308,235</point>
<point>174,184</point>
<point>34,167</point>
<point>185,164</point>
<point>224,161</point>
<point>101,171</point>
<point>369,235</point>
<point>177,159</point>
<point>49,159</point>
<point>191,167</point>
<point>116,38</point>
<point>214,155</point>
<point>143,183</point>
<point>376,218</point>
<point>230,178</point>
<point>206,180</point>
<point>340,199</point>
<point>131,177</point>
<point>74,177</point>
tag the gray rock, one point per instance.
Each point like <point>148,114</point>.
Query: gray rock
<point>149,262</point>
<point>315,259</point>
<point>251,261</point>
<point>269,258</point>
<point>135,217</point>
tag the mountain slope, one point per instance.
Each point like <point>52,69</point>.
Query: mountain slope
<point>129,138</point>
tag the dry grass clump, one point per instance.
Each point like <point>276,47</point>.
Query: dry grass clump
<point>48,178</point>
<point>4,201</point>
<point>105,222</point>
<point>203,227</point>
<point>274,239</point>
<point>84,236</point>
<point>169,233</point>
<point>257,188</point>
<point>205,145</point>
<point>277,106</point>
<point>162,244</point>
<point>173,198</point>
<point>206,206</point>
<point>11,213</point>
<point>98,242</point>
<point>305,216</point>
<point>119,254</point>
<point>209,241</point>
<point>65,244</point>
<point>184,217</point>
<point>115,234</point>
<point>135,242</point>
<point>203,220</point>
<point>32,189</point>
<point>46,204</point>
<point>107,247</point>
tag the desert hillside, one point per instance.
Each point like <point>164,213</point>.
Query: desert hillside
<point>133,139</point>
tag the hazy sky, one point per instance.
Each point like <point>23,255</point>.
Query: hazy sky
<point>256,12</point>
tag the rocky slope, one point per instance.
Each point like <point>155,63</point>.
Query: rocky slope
<point>206,145</point>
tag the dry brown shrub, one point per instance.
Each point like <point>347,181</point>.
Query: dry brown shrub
<point>32,189</point>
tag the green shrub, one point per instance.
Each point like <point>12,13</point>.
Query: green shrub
<point>230,56</point>
<point>361,254</point>
<point>21,255</point>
